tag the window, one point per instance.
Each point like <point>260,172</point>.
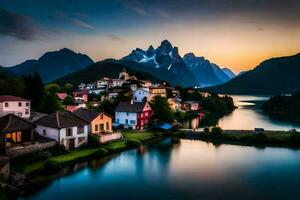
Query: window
<point>101,127</point>
<point>96,127</point>
<point>101,116</point>
<point>80,130</point>
<point>132,121</point>
<point>69,132</point>
<point>107,126</point>
<point>27,104</point>
<point>135,98</point>
<point>26,111</point>
<point>126,121</point>
<point>127,113</point>
<point>19,114</point>
<point>20,104</point>
<point>6,104</point>
<point>142,114</point>
<point>44,132</point>
<point>146,114</point>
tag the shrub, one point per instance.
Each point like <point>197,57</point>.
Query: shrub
<point>133,143</point>
<point>99,153</point>
<point>260,137</point>
<point>206,130</point>
<point>45,154</point>
<point>215,131</point>
<point>93,140</point>
<point>295,137</point>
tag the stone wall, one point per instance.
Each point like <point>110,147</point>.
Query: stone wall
<point>4,168</point>
<point>22,150</point>
<point>107,137</point>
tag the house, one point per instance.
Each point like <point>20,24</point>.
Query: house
<point>81,86</point>
<point>117,82</point>
<point>174,103</point>
<point>103,82</point>
<point>66,128</point>
<point>14,105</point>
<point>81,95</point>
<point>135,115</point>
<point>61,96</point>
<point>157,91</point>
<point>191,105</point>
<point>14,131</point>
<point>140,94</point>
<point>99,122</point>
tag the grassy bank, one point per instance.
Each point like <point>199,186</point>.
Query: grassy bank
<point>249,138</point>
<point>37,162</point>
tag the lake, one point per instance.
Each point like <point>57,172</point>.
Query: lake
<point>183,170</point>
<point>248,116</point>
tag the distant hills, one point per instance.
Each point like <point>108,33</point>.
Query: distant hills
<point>52,65</point>
<point>165,63</point>
<point>105,68</point>
<point>273,76</point>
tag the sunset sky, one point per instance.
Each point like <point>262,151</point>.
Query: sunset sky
<point>238,34</point>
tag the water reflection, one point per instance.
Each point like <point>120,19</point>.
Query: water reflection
<point>185,169</point>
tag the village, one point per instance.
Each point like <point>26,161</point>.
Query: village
<point>24,131</point>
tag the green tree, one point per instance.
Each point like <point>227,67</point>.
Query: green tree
<point>161,109</point>
<point>34,90</point>
<point>53,88</point>
<point>68,88</point>
<point>69,100</point>
<point>50,103</point>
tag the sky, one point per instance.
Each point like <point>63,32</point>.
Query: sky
<point>238,34</point>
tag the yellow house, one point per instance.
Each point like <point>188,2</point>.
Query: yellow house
<point>99,122</point>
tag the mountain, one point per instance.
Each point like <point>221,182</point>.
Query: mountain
<point>4,73</point>
<point>105,68</point>
<point>53,65</point>
<point>228,72</point>
<point>207,73</point>
<point>273,76</point>
<point>165,62</point>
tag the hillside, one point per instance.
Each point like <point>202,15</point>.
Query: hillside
<point>273,76</point>
<point>105,68</point>
<point>53,65</point>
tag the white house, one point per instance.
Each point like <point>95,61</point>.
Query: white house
<point>135,115</point>
<point>64,127</point>
<point>139,94</point>
<point>14,105</point>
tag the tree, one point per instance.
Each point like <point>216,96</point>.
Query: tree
<point>69,100</point>
<point>53,88</point>
<point>68,88</point>
<point>50,103</point>
<point>161,109</point>
<point>34,90</point>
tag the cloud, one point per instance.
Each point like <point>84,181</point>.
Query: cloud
<point>137,7</point>
<point>16,25</point>
<point>114,37</point>
<point>74,20</point>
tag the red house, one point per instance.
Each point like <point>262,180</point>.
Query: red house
<point>135,115</point>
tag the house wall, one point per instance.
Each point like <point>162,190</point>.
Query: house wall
<point>157,92</point>
<point>51,133</point>
<point>13,107</point>
<point>106,119</point>
<point>60,135</point>
<point>64,140</point>
<point>139,95</point>
<point>143,118</point>
<point>121,118</point>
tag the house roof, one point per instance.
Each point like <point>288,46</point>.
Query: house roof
<point>61,120</point>
<point>11,98</point>
<point>125,106</point>
<point>62,96</point>
<point>10,123</point>
<point>81,92</point>
<point>36,116</point>
<point>88,114</point>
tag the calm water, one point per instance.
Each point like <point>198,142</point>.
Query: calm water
<point>185,170</point>
<point>248,116</point>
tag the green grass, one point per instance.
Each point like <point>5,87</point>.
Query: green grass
<point>116,145</point>
<point>28,168</point>
<point>74,155</point>
<point>141,135</point>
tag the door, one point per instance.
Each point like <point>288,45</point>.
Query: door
<point>71,144</point>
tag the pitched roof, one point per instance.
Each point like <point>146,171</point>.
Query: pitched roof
<point>10,123</point>
<point>127,106</point>
<point>86,114</point>
<point>11,98</point>
<point>61,120</point>
<point>62,95</point>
